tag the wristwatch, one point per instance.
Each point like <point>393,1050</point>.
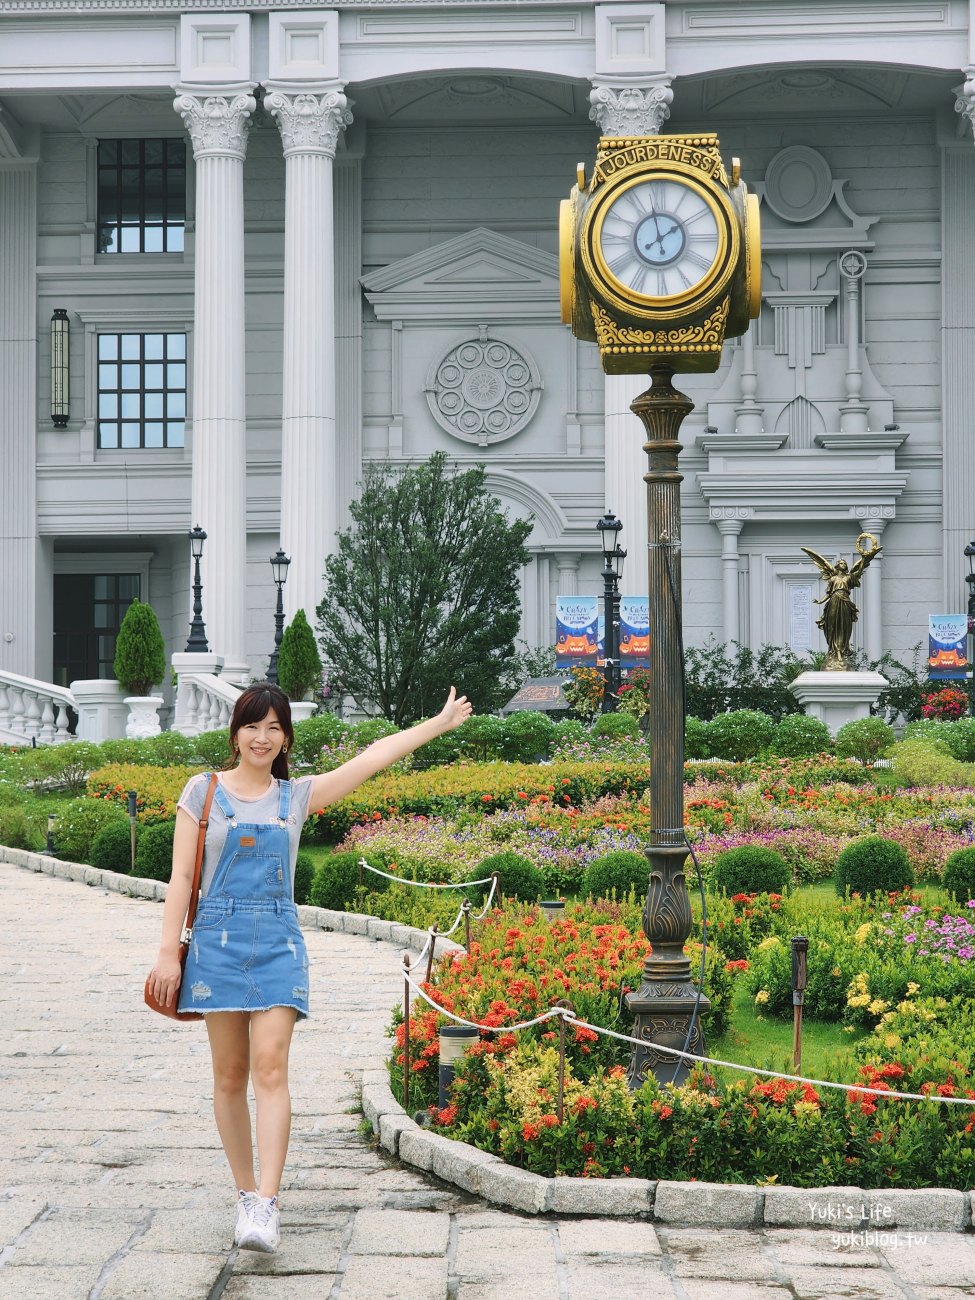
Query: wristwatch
<point>660,253</point>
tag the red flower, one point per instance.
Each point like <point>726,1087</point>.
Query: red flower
<point>530,1132</point>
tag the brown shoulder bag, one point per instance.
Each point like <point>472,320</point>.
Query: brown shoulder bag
<point>184,945</point>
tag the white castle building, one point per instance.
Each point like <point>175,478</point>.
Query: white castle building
<point>286,241</point>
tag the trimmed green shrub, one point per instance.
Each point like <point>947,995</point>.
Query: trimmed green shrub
<point>336,880</point>
<point>213,747</point>
<point>614,726</point>
<point>140,653</point>
<point>311,734</point>
<point>568,731</point>
<point>519,877</point>
<point>616,873</point>
<point>304,874</point>
<point>20,830</point>
<point>526,736</point>
<point>751,869</point>
<point>958,737</point>
<point>740,734</point>
<point>866,739</point>
<point>697,738</point>
<point>111,848</point>
<point>959,875</point>
<point>370,729</point>
<point>927,762</point>
<point>168,749</point>
<point>797,735</point>
<point>478,738</point>
<point>154,851</point>
<point>123,751</point>
<point>79,822</point>
<point>873,865</point>
<point>299,663</point>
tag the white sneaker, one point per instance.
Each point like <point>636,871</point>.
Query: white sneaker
<point>263,1230</point>
<point>245,1204</point>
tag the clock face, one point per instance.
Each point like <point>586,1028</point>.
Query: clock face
<point>659,238</point>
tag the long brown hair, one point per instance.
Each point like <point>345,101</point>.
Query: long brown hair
<point>253,705</point>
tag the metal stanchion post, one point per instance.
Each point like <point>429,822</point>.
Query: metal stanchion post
<point>800,947</point>
<point>133,797</point>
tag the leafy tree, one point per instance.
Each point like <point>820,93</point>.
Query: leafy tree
<point>140,652</point>
<point>423,592</point>
<point>721,678</point>
<point>299,667</point>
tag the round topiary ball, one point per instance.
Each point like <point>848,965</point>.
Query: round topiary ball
<point>616,873</point>
<point>751,869</point>
<point>959,875</point>
<point>873,865</point>
<point>740,735</point>
<point>797,735</point>
<point>336,879</point>
<point>111,848</point>
<point>615,726</point>
<point>154,851</point>
<point>519,878</point>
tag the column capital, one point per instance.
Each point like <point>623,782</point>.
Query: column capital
<point>630,110</point>
<point>874,518</point>
<point>309,121</point>
<point>730,520</point>
<point>217,121</point>
<point>965,97</point>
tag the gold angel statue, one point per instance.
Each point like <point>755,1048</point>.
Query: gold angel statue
<point>839,611</point>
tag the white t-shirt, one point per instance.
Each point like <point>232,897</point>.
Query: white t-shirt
<point>260,811</point>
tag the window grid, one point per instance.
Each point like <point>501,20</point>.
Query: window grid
<point>141,196</point>
<point>141,390</point>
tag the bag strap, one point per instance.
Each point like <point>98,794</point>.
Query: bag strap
<point>201,840</point>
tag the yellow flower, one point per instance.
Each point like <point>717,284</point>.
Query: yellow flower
<point>849,1029</point>
<point>836,972</point>
<point>860,937</point>
<point>858,999</point>
<point>772,941</point>
<point>912,988</point>
<point>891,1041</point>
<point>877,1006</point>
<point>761,997</point>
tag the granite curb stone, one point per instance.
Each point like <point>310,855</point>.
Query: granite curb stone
<point>687,1204</point>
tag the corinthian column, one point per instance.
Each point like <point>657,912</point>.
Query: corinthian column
<point>218,125</point>
<point>310,123</point>
<point>618,111</point>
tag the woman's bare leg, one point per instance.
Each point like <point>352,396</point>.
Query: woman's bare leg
<point>270,1043</point>
<point>229,1036</point>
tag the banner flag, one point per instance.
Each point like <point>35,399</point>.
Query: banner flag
<point>947,647</point>
<point>576,631</point>
<point>634,632</point>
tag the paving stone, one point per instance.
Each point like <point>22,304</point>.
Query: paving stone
<point>399,1232</point>
<point>595,1196</point>
<point>697,1289</point>
<point>935,1259</point>
<point>714,1204</point>
<point>401,1279</point>
<point>16,1214</point>
<point>487,1253</point>
<point>814,1246</point>
<point>825,1283</point>
<point>286,1287</point>
<point>301,1251</point>
<point>614,1237</point>
<point>537,1288</point>
<point>47,1282</point>
<point>189,1231</point>
<point>597,1279</point>
<point>70,1243</point>
<point>391,1130</point>
<point>152,1276</point>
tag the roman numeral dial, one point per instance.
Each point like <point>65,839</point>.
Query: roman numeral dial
<point>660,238</point>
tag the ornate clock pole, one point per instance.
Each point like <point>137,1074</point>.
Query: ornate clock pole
<point>659,261</point>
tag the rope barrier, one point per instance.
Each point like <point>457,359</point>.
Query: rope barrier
<point>567,1014</point>
<point>422,884</point>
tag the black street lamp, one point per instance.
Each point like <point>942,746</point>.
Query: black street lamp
<point>197,644</point>
<point>613,556</point>
<point>970,579</point>
<point>279,567</point>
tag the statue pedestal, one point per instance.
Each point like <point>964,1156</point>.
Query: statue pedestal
<point>836,698</point>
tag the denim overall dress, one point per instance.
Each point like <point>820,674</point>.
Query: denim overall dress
<point>247,952</point>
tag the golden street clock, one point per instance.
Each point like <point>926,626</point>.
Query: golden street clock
<point>659,254</point>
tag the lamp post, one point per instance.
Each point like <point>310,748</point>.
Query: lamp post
<point>613,556</point>
<point>197,644</point>
<point>279,567</point>
<point>970,579</point>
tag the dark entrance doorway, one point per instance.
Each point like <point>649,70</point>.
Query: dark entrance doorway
<point>88,612</point>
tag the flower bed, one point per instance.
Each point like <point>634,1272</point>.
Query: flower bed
<point>157,788</point>
<point>717,1127</point>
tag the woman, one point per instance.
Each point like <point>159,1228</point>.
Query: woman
<point>247,968</point>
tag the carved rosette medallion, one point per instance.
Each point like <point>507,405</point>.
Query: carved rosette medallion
<point>309,123</point>
<point>483,390</point>
<point>630,110</point>
<point>217,124</point>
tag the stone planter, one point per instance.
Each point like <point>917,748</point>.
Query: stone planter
<point>302,709</point>
<point>102,714</point>
<point>143,716</point>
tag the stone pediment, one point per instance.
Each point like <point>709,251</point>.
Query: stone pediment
<point>479,275</point>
